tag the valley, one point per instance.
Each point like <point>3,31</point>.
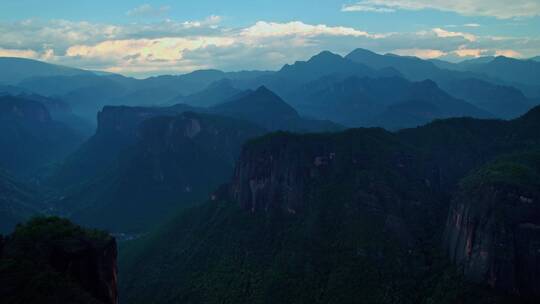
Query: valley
<point>386,178</point>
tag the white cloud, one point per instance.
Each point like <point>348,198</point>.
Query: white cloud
<point>420,53</point>
<point>263,29</point>
<point>19,53</point>
<point>162,49</point>
<point>463,51</point>
<point>147,10</point>
<point>508,53</point>
<point>471,25</point>
<point>360,7</point>
<point>502,9</point>
<point>447,34</point>
<point>171,46</point>
<point>211,21</point>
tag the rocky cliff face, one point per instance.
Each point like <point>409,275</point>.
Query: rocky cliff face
<point>174,161</point>
<point>493,230</point>
<point>50,260</point>
<point>23,109</point>
<point>493,227</point>
<point>116,131</point>
<point>276,177</point>
<point>123,120</point>
<point>30,138</point>
<point>93,265</point>
<point>285,172</point>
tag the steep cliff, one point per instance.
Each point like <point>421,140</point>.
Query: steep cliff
<point>50,260</point>
<point>334,218</point>
<point>174,161</point>
<point>30,138</point>
<point>329,218</point>
<point>116,131</point>
<point>283,171</point>
<point>23,109</point>
<point>493,226</point>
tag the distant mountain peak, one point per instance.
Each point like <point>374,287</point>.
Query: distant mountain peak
<point>503,58</point>
<point>262,93</point>
<point>262,107</point>
<point>361,52</point>
<point>264,90</point>
<point>325,56</point>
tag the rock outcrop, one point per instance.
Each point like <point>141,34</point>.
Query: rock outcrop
<point>172,161</point>
<point>23,109</point>
<point>83,263</point>
<point>123,120</point>
<point>30,138</point>
<point>93,264</point>
<point>116,130</point>
<point>493,227</point>
<point>284,171</point>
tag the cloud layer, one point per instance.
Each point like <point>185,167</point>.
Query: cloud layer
<point>495,8</point>
<point>169,46</point>
<point>147,10</point>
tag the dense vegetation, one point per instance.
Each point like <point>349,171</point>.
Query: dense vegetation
<point>219,253</point>
<point>31,260</point>
<point>367,222</point>
<point>362,215</point>
<point>170,163</point>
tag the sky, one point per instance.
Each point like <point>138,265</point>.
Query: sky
<point>144,38</point>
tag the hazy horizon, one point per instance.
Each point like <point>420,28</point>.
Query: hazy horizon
<point>143,76</point>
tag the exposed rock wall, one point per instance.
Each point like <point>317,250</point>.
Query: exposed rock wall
<point>94,266</point>
<point>83,263</point>
<point>493,233</point>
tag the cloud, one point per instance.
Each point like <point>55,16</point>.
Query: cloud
<point>508,53</point>
<point>18,53</point>
<point>447,34</point>
<point>465,52</point>
<point>471,25</point>
<point>360,7</point>
<point>263,29</point>
<point>211,21</point>
<point>162,49</point>
<point>171,46</point>
<point>269,44</point>
<point>147,10</point>
<point>421,53</point>
<point>501,9</point>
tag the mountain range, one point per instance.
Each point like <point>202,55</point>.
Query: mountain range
<point>484,82</point>
<point>343,216</point>
<point>173,162</point>
<point>161,152</point>
<point>338,179</point>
